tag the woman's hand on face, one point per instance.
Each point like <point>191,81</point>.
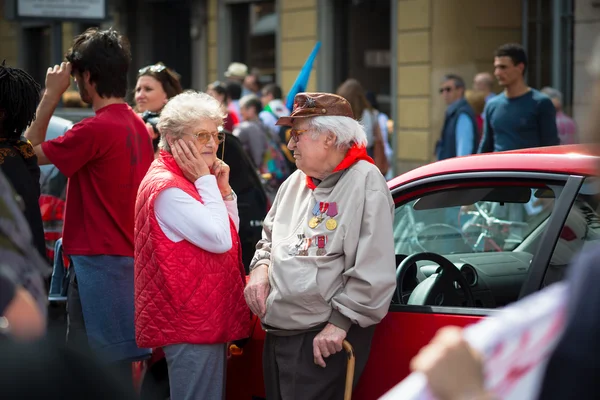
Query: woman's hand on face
<point>221,171</point>
<point>190,160</point>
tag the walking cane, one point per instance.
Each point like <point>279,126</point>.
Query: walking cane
<point>349,370</point>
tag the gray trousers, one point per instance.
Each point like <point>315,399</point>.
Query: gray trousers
<point>196,371</point>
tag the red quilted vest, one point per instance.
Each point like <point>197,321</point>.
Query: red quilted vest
<point>183,294</point>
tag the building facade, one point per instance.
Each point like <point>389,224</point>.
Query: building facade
<point>398,49</point>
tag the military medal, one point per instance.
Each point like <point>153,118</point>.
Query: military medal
<point>321,240</point>
<point>314,221</point>
<point>305,245</point>
<point>332,211</point>
<point>294,247</point>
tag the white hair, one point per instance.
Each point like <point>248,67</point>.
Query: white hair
<point>346,130</point>
<point>185,111</point>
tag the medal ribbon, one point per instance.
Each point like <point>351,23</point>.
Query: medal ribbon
<point>315,210</point>
<point>321,240</point>
<point>323,207</point>
<point>332,211</point>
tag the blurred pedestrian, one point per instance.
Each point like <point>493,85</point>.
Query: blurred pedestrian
<point>459,132</point>
<point>219,92</point>
<point>484,82</point>
<point>19,96</point>
<point>187,245</point>
<point>353,91</point>
<point>105,158</point>
<point>476,100</point>
<point>520,117</point>
<point>155,85</point>
<point>567,129</point>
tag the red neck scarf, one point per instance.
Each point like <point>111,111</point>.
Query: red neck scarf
<point>353,155</point>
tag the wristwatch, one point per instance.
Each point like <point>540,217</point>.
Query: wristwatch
<point>230,197</point>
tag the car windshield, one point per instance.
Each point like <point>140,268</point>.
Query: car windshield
<point>474,219</point>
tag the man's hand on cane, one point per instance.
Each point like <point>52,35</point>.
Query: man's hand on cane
<point>327,342</point>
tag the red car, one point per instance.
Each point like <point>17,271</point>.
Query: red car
<point>471,234</point>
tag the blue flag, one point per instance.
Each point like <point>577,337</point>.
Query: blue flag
<point>302,80</point>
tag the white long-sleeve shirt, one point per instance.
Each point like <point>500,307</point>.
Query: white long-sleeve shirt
<point>181,217</point>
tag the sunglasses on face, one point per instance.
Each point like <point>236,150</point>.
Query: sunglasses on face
<point>157,68</point>
<point>203,137</point>
<point>295,134</point>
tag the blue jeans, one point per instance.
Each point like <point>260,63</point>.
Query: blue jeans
<point>105,288</point>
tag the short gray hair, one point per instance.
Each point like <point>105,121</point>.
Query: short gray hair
<point>553,93</point>
<point>346,130</point>
<point>184,111</point>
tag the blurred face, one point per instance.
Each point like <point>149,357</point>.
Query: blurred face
<point>506,72</point>
<point>219,97</point>
<point>205,136</point>
<point>248,113</point>
<point>83,85</point>
<point>149,94</point>
<point>266,98</point>
<point>309,153</point>
<point>251,83</point>
<point>481,82</point>
<point>449,92</point>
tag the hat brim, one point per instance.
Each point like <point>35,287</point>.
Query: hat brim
<point>289,121</point>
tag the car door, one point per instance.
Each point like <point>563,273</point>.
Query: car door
<point>407,328</point>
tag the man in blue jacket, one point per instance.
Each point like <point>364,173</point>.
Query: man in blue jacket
<point>459,133</point>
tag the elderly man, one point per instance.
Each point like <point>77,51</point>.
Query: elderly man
<point>189,277</point>
<point>324,270</point>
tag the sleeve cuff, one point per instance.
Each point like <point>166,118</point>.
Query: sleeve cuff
<point>340,320</point>
<point>264,261</point>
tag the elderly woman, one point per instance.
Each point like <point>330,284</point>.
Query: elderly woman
<point>189,278</point>
<point>324,270</point>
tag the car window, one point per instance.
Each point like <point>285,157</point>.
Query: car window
<point>580,231</point>
<point>489,233</point>
<point>472,220</point>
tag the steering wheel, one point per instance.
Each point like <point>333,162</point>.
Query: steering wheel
<point>438,284</point>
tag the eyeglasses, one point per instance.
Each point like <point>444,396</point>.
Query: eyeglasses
<point>156,68</point>
<point>203,137</point>
<point>295,134</point>
<point>446,89</point>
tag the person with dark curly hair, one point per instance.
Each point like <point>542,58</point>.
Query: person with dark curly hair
<point>19,95</point>
<point>105,158</point>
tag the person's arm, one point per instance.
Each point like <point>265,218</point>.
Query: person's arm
<point>58,80</point>
<point>205,225</point>
<point>487,139</point>
<point>547,123</point>
<point>370,283</point>
<point>465,136</point>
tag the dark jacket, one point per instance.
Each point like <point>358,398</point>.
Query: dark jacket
<point>446,146</point>
<point>252,198</point>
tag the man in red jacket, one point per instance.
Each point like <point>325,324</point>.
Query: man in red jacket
<point>105,158</point>
<point>189,276</point>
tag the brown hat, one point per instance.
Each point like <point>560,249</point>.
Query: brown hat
<point>308,105</point>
